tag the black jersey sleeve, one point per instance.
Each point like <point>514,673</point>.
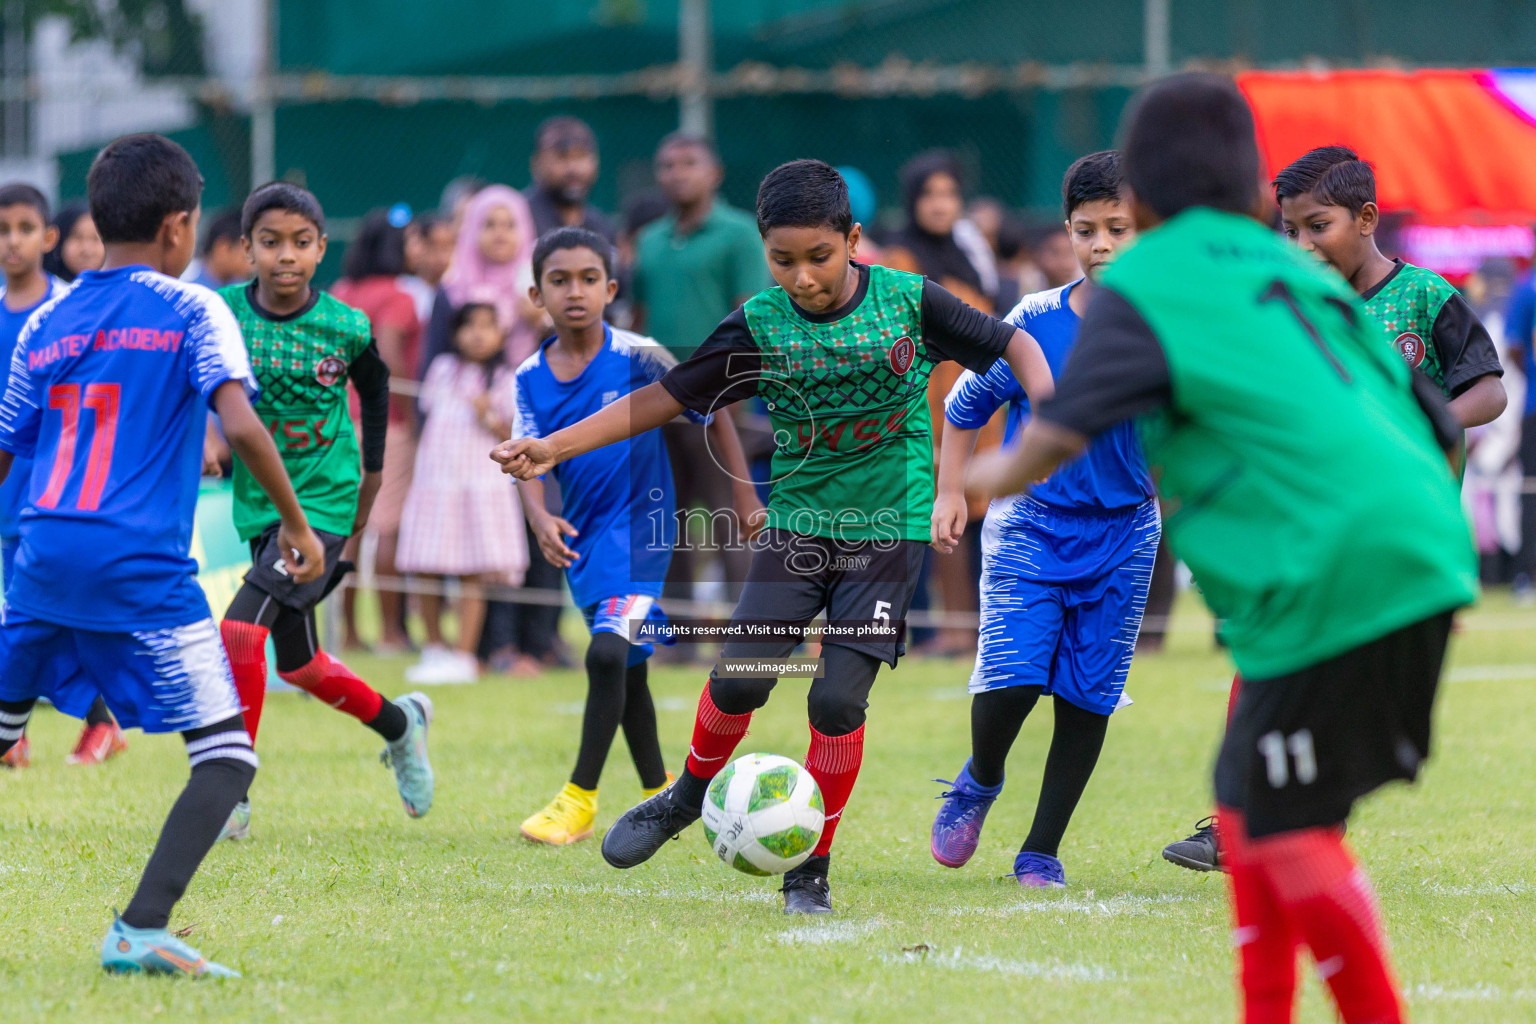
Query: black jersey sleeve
<point>1466,351</point>
<point>370,375</point>
<point>722,371</point>
<point>954,330</point>
<point>1448,432</point>
<point>1117,370</point>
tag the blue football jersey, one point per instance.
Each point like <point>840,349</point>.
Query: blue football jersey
<point>1112,473</point>
<point>108,392</point>
<point>13,491</point>
<point>620,497</point>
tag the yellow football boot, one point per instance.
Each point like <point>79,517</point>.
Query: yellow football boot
<point>566,819</point>
<point>646,794</point>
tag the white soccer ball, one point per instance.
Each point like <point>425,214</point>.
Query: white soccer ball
<point>763,814</point>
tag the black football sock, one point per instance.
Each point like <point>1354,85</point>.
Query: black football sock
<point>98,713</point>
<point>1075,744</point>
<point>223,765</point>
<point>996,717</point>
<point>607,656</point>
<point>639,725</point>
<point>13,722</point>
<point>688,791</point>
<point>391,722</point>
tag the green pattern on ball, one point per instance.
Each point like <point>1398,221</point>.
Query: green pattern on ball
<point>772,787</point>
<point>747,867</point>
<point>719,784</point>
<point>710,835</point>
<point>815,801</point>
<point>791,842</point>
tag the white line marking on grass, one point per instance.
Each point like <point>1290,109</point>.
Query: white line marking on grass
<point>1481,889</point>
<point>1490,673</point>
<point>958,960</point>
<point>1480,993</point>
<point>829,933</point>
<point>1125,904</point>
<point>659,892</point>
<point>952,693</point>
<point>676,704</point>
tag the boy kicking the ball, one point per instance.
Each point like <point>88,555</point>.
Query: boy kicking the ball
<point>841,352</point>
<point>612,498</point>
<point>1303,469</point>
<point>1065,569</point>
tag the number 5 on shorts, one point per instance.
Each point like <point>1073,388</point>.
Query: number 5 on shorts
<point>883,612</point>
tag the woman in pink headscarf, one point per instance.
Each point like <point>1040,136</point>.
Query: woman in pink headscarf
<point>493,263</point>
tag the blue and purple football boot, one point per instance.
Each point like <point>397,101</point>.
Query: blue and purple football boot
<point>957,827</point>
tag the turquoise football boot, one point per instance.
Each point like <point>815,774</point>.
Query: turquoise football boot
<point>408,755</point>
<point>128,950</point>
<point>238,826</point>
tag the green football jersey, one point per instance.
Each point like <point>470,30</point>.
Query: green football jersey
<point>847,397</point>
<point>848,402</point>
<point>301,367</point>
<point>1407,305</point>
<point>1301,482</point>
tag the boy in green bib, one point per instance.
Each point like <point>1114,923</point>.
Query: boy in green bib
<point>1304,477</point>
<point>841,354</point>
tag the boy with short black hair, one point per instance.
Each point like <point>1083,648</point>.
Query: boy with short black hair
<point>1065,570</point>
<point>305,346</point>
<point>612,498</point>
<point>1304,469</point>
<point>842,353</point>
<point>25,238</point>
<point>222,260</point>
<point>108,390</point>
<point>1327,205</point>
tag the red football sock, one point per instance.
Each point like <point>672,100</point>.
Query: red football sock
<point>329,680</point>
<point>1263,937</point>
<point>715,735</point>
<point>1329,901</point>
<point>1237,686</point>
<point>246,645</point>
<point>833,762</point>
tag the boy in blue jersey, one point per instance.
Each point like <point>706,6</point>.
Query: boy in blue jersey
<point>618,506</point>
<point>1065,569</point>
<point>25,236</point>
<point>108,392</point>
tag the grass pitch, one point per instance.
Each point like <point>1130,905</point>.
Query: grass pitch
<point>342,909</point>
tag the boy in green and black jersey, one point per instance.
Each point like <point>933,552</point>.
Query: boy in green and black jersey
<point>841,353</point>
<point>1302,468</point>
<point>304,347</point>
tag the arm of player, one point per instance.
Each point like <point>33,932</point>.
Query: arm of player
<point>631,415</point>
<point>1029,367</point>
<point>548,529</point>
<point>370,376</point>
<point>949,508</point>
<point>253,446</point>
<point>725,444</point>
<point>1482,402</point>
<point>1042,447</point>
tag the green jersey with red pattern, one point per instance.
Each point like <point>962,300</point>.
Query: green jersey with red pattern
<point>846,393</point>
<point>301,362</point>
<point>1432,327</point>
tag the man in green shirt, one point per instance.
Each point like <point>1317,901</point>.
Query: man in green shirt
<point>692,267</point>
<point>1305,482</point>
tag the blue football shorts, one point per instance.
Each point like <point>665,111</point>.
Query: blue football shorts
<point>1062,597</point>
<point>158,680</point>
<point>625,614</point>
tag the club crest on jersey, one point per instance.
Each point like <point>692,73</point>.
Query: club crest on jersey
<point>1411,347</point>
<point>330,370</point>
<point>901,355</point>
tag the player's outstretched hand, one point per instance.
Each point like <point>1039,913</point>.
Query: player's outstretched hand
<point>948,522</point>
<point>550,531</point>
<point>311,553</point>
<point>524,457</point>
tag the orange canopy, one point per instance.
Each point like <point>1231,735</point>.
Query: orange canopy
<point>1448,146</point>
